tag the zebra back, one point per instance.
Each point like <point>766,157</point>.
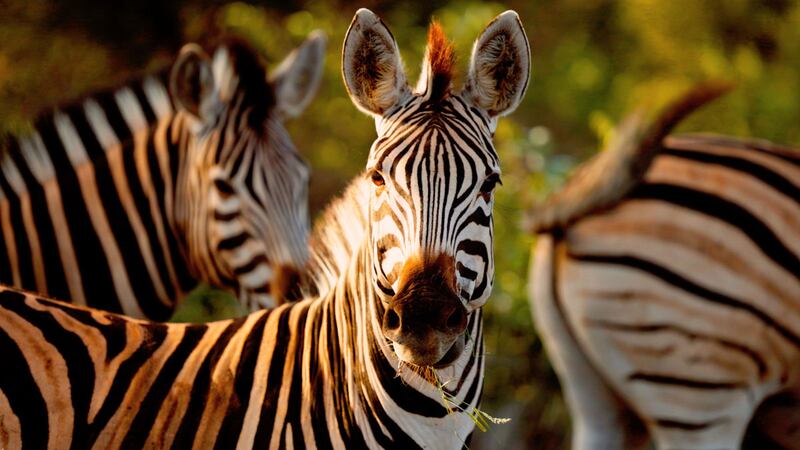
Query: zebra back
<point>56,220</point>
<point>678,304</point>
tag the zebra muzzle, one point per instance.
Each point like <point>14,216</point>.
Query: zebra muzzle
<point>426,320</point>
<point>421,342</point>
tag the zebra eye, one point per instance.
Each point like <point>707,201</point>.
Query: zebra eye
<point>490,183</point>
<point>377,178</point>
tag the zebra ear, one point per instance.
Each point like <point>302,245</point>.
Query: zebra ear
<point>191,81</point>
<point>297,78</point>
<point>500,66</point>
<point>371,65</point>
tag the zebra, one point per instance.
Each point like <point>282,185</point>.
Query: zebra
<point>672,312</point>
<point>323,372</point>
<point>126,200</point>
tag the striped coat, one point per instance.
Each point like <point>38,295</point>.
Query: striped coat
<point>325,372</point>
<point>125,200</point>
<point>314,374</point>
<point>675,310</point>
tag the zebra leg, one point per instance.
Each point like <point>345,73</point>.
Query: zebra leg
<point>601,421</point>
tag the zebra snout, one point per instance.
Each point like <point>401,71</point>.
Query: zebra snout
<point>447,317</point>
<point>426,319</point>
<point>424,329</point>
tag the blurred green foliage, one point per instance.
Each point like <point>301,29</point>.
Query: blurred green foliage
<point>204,304</point>
<point>593,60</point>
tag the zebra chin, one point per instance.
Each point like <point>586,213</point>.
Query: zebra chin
<point>439,357</point>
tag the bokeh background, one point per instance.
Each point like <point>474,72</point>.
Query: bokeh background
<point>593,61</point>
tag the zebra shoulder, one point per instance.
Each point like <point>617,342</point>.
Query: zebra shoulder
<point>604,180</point>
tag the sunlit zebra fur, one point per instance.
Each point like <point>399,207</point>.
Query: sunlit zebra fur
<point>318,373</point>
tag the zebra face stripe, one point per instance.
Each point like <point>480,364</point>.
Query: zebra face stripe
<point>431,196</point>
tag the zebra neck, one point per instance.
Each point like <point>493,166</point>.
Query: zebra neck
<point>337,236</point>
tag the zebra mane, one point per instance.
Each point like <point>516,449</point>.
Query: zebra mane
<point>337,235</point>
<point>251,78</point>
<point>605,179</point>
<point>440,59</point>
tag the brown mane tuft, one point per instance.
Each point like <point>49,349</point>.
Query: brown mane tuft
<point>442,60</point>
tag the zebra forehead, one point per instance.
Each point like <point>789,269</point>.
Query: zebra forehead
<point>436,135</point>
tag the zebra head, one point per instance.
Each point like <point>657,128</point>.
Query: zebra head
<point>434,169</point>
<point>241,196</point>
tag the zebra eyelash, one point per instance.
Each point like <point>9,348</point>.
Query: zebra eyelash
<point>490,183</point>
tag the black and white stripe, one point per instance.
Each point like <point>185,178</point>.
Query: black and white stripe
<point>679,305</point>
<point>313,374</point>
<point>433,170</point>
<point>124,201</point>
<point>319,373</point>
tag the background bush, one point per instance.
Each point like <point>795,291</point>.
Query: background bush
<point>593,60</point>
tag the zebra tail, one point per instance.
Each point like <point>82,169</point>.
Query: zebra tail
<point>605,179</point>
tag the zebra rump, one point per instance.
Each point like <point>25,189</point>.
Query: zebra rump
<point>672,312</point>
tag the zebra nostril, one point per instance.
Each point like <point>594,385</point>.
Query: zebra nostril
<point>391,321</point>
